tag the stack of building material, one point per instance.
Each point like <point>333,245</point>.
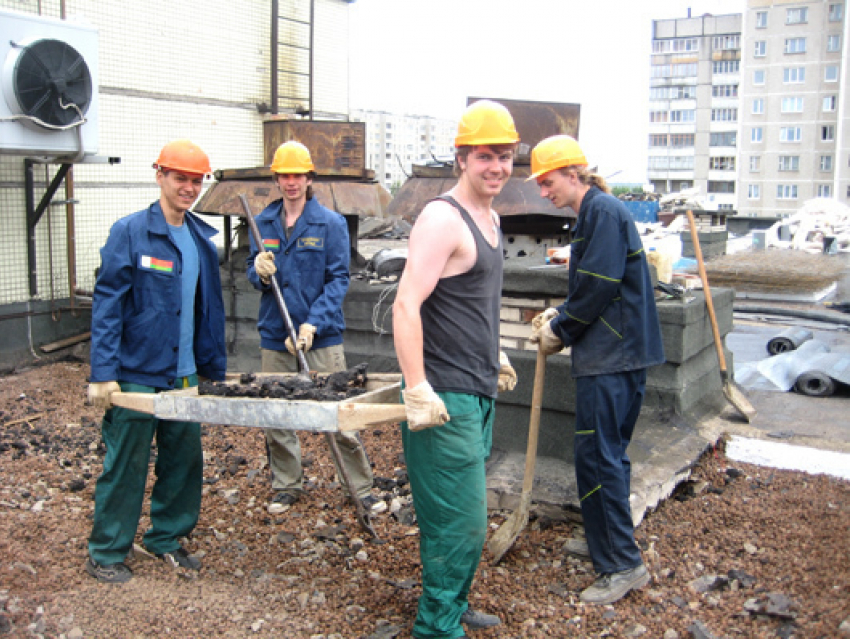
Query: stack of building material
<point>711,228</point>
<point>773,271</point>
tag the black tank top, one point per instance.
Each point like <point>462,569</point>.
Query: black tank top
<point>460,321</point>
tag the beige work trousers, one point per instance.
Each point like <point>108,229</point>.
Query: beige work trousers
<point>284,445</point>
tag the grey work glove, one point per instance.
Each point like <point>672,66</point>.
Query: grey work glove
<point>507,374</point>
<point>264,265</point>
<point>424,407</point>
<point>100,393</point>
<point>304,341</point>
<point>542,334</point>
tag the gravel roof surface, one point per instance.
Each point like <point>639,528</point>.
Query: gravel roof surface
<point>738,551</point>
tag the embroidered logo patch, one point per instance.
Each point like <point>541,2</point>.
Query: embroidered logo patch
<point>154,264</point>
<point>311,242</point>
<point>271,244</point>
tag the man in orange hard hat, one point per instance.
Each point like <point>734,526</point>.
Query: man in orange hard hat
<point>306,248</point>
<point>157,324</point>
<point>611,323</point>
<point>446,331</point>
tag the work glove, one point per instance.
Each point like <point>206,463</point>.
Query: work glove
<point>542,335</point>
<point>100,392</point>
<point>264,265</point>
<point>424,407</point>
<point>507,374</point>
<point>304,341</point>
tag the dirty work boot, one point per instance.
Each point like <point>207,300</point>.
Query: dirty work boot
<point>117,573</point>
<point>284,498</point>
<point>368,501</point>
<point>577,548</point>
<point>180,559</point>
<point>477,620</point>
<point>613,587</point>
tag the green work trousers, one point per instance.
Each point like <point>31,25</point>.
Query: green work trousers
<point>120,490</point>
<point>284,446</point>
<point>447,477</point>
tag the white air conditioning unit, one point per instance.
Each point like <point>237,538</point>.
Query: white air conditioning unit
<point>48,81</point>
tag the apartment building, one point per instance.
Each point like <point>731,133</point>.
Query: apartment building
<point>394,143</point>
<point>794,142</point>
<point>693,107</point>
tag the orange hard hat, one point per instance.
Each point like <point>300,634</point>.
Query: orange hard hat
<point>185,156</point>
<point>555,152</point>
<point>486,122</point>
<point>292,157</point>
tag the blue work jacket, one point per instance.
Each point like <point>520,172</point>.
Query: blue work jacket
<point>609,317</point>
<point>312,271</point>
<point>137,300</point>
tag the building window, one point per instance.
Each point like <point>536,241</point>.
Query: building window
<point>761,19</point>
<point>827,133</point>
<point>756,134</point>
<point>795,45</point>
<point>833,43</point>
<point>753,192</point>
<point>726,138</point>
<point>794,75</point>
<point>726,66</point>
<point>724,115</point>
<point>826,163</point>
<point>829,103</point>
<point>658,139</point>
<point>790,134</point>
<point>786,191</point>
<point>681,139</point>
<point>720,187</point>
<point>758,77</point>
<point>721,164</point>
<point>836,12</point>
<point>726,42</point>
<point>683,116</point>
<point>758,106</point>
<point>792,104</point>
<point>830,74</point>
<point>684,70</point>
<point>760,48</point>
<point>658,116</point>
<point>789,162</point>
<point>755,163</point>
<point>796,16</point>
<point>724,91</point>
<point>672,162</point>
<point>675,46</point>
<point>824,190</point>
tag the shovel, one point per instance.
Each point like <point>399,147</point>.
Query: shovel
<point>504,538</point>
<point>734,394</point>
<point>304,372</point>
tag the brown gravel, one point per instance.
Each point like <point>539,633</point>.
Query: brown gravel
<point>297,574</point>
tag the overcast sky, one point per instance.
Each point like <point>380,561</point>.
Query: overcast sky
<point>425,58</point>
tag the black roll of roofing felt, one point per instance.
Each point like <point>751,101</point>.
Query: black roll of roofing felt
<point>788,340</point>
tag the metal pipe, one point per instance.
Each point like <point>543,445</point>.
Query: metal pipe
<point>29,196</point>
<point>274,50</point>
<point>71,238</point>
<point>312,39</point>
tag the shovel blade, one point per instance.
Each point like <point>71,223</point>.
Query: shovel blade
<point>735,396</point>
<point>502,540</point>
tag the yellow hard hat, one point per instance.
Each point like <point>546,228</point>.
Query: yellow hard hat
<point>486,122</point>
<point>555,152</point>
<point>184,156</point>
<point>292,157</point>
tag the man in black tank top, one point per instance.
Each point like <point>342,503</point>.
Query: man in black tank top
<point>446,331</point>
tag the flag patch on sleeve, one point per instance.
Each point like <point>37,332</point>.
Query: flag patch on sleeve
<point>271,244</point>
<point>155,264</point>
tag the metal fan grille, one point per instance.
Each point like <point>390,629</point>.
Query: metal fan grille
<point>48,74</point>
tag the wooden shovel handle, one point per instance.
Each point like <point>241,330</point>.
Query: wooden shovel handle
<point>534,421</point>
<point>718,344</point>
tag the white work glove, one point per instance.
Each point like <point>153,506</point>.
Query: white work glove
<point>304,341</point>
<point>100,393</point>
<point>542,335</point>
<point>264,265</point>
<point>507,374</point>
<point>424,407</point>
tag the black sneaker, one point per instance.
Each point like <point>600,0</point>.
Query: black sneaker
<point>117,573</point>
<point>287,499</point>
<point>369,500</point>
<point>181,559</point>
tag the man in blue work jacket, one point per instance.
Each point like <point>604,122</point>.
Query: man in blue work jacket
<point>611,323</point>
<point>306,248</point>
<point>157,324</point>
